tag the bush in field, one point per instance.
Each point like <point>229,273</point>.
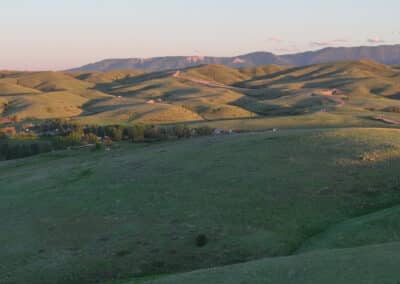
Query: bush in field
<point>127,133</point>
<point>182,131</point>
<point>75,137</point>
<point>204,131</point>
<point>91,129</point>
<point>155,133</point>
<point>100,131</point>
<point>72,139</point>
<point>90,138</point>
<point>138,133</point>
<point>114,132</point>
<point>201,240</point>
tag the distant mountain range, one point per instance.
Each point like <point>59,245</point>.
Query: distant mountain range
<point>386,54</point>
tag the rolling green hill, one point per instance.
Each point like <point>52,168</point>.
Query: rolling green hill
<point>79,216</point>
<point>211,93</point>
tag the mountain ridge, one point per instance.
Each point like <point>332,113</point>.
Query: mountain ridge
<point>385,54</point>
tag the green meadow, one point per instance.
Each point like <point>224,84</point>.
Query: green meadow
<point>293,205</point>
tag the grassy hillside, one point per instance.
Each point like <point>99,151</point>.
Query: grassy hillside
<point>87,217</point>
<point>209,93</point>
<point>105,77</point>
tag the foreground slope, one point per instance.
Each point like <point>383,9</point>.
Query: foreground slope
<point>86,217</point>
<point>364,265</point>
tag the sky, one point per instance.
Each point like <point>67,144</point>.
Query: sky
<point>61,34</point>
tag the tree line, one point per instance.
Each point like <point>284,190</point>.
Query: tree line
<point>61,134</point>
<point>137,134</point>
<point>11,149</point>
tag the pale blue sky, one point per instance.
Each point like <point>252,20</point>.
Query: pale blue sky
<point>57,34</point>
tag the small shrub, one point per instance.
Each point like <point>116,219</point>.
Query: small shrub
<point>138,133</point>
<point>90,138</point>
<point>204,131</point>
<point>154,133</point>
<point>114,132</point>
<point>182,131</point>
<point>101,132</point>
<point>201,240</point>
<point>72,139</point>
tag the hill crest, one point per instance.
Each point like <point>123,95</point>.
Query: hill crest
<point>385,54</point>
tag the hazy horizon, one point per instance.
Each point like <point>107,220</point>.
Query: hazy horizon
<point>57,35</point>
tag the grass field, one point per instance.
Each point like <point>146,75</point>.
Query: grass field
<point>293,206</point>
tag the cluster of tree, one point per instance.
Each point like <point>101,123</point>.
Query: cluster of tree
<point>147,133</point>
<point>58,126</point>
<point>62,134</point>
<point>74,138</point>
<point>15,148</point>
<point>137,133</point>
